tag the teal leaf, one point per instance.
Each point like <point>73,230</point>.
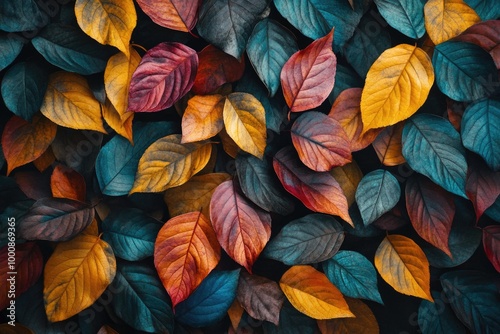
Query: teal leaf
<point>209,303</point>
<point>23,89</point>
<point>131,233</point>
<point>269,47</point>
<point>260,184</point>
<point>486,9</point>
<point>360,229</point>
<point>11,47</point>
<point>291,322</point>
<point>432,147</point>
<point>227,24</point>
<point>406,16</point>
<point>377,193</point>
<point>473,296</point>
<point>140,300</point>
<point>464,71</point>
<point>21,15</point>
<point>117,161</point>
<point>344,78</point>
<point>354,275</point>
<point>68,48</point>
<point>310,239</point>
<point>438,317</point>
<point>481,130</point>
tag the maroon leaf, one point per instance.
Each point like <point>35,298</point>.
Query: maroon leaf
<point>482,186</point>
<point>178,15</point>
<point>491,244</point>
<point>485,34</point>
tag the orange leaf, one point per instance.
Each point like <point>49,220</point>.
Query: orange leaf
<point>23,142</point>
<point>45,160</point>
<point>228,144</point>
<point>202,118</point>
<point>65,182</point>
<point>178,15</point>
<point>348,177</point>
<point>235,313</point>
<point>186,251</point>
<point>365,321</point>
<point>388,145</point>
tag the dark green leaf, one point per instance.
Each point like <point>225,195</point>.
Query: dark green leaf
<point>438,317</point>
<point>291,322</point>
<point>21,15</point>
<point>11,46</point>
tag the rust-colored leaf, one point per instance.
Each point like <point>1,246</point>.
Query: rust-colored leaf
<point>65,182</point>
<point>202,118</point>
<point>178,15</point>
<point>364,322</point>
<point>388,145</point>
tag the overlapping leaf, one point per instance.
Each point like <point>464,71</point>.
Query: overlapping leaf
<point>491,244</point>
<point>65,182</point>
<point>348,177</point>
<point>405,16</point>
<point>482,187</point>
<point>11,47</point>
<point>21,16</point>
<point>388,145</point>
<point>364,322</point>
<point>173,14</point>
<point>202,118</point>
<point>438,317</point>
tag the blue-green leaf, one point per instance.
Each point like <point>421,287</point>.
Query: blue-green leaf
<point>131,233</point>
<point>438,317</point>
<point>464,71</point>
<point>481,130</point>
<point>291,322</point>
<point>344,78</point>
<point>432,147</point>
<point>117,161</point>
<point>354,275</point>
<point>11,47</point>
<point>377,193</point>
<point>269,47</point>
<point>23,89</point>
<point>310,239</point>
<point>68,47</point>
<point>21,15</point>
<point>140,299</point>
<point>486,9</point>
<point>406,16</point>
<point>210,301</point>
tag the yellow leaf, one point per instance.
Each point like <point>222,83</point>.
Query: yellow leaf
<point>310,292</point>
<point>365,321</point>
<point>168,163</point>
<point>202,118</point>
<point>404,266</point>
<point>445,19</point>
<point>107,21</point>
<point>76,274</point>
<point>396,86</point>
<point>389,146</point>
<point>348,177</point>
<point>117,77</point>
<point>69,102</point>
<point>245,121</point>
<point>122,124</point>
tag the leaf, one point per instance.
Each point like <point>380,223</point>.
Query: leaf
<point>437,317</point>
<point>431,210</point>
<point>68,48</point>
<point>186,251</point>
<point>164,75</point>
<point>202,118</point>
<point>69,102</point>
<point>310,239</point>
<point>388,145</point>
<point>245,123</point>
<point>21,15</point>
<point>319,192</point>
<point>291,322</point>
<point>11,48</point>
<point>106,330</point>
<point>55,219</point>
<point>310,292</point>
<point>464,71</point>
<point>377,193</point>
<point>65,182</point>
<point>269,47</point>
<point>491,245</point>
<point>215,69</point>
<point>72,265</point>
<point>480,130</point>
<point>20,273</point>
<point>122,124</point>
<point>260,297</point>
<point>405,16</point>
<point>107,21</point>
<point>6,328</point>
<point>242,228</point>
<point>228,24</point>
<point>24,142</point>
<point>210,302</point>
<point>473,298</point>
<point>445,19</point>
<point>117,162</point>
<point>396,86</point>
<point>131,233</point>
<point>320,141</point>
<point>482,187</point>
<point>348,177</point>
<point>260,185</point>
<point>346,110</point>
<point>353,275</point>
<point>485,34</point>
<point>403,265</point>
<point>364,322</point>
<point>308,76</point>
<point>193,195</point>
<point>140,300</point>
<point>172,14</point>
<point>432,147</point>
<point>23,88</point>
<point>345,78</point>
<point>168,163</point>
<point>235,313</point>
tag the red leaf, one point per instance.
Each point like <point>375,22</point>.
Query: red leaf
<point>482,187</point>
<point>165,74</point>
<point>431,210</point>
<point>491,244</point>
<point>215,69</point>
<point>485,34</point>
<point>178,15</point>
<point>307,78</point>
<point>318,191</point>
<point>65,182</point>
<point>455,111</point>
<point>242,228</point>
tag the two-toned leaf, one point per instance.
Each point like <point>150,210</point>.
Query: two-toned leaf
<point>364,321</point>
<point>65,182</point>
<point>388,145</point>
<point>348,177</point>
<point>482,187</point>
<point>202,119</point>
<point>173,14</point>
<point>485,34</point>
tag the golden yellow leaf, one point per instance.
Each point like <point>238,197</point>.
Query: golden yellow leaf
<point>310,292</point>
<point>245,122</point>
<point>69,102</point>
<point>388,145</point>
<point>365,321</point>
<point>404,266</point>
<point>168,163</point>
<point>122,124</point>
<point>76,274</point>
<point>396,86</point>
<point>445,19</point>
<point>348,177</point>
<point>202,118</point>
<point>109,22</point>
